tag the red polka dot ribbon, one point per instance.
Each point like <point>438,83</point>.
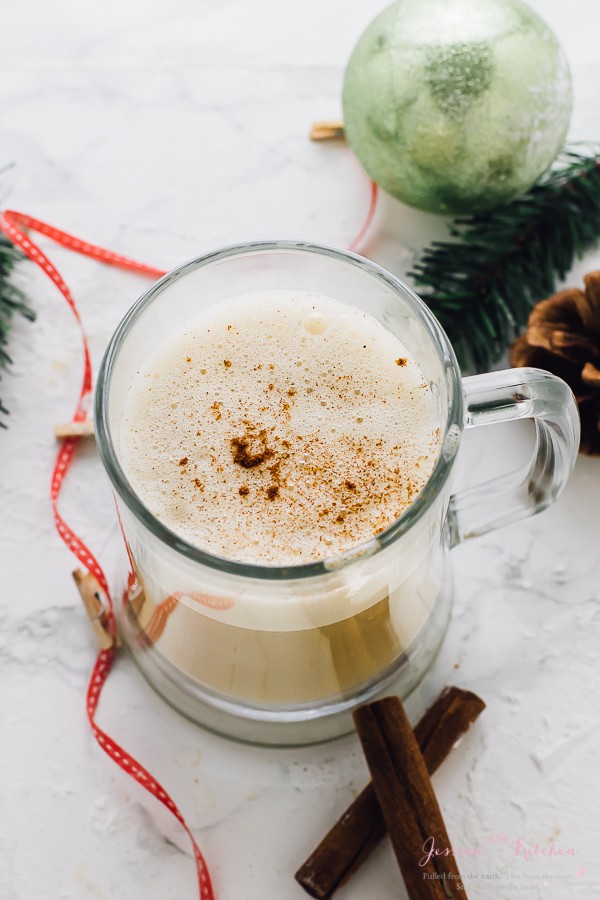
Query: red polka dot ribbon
<point>16,226</point>
<point>355,244</point>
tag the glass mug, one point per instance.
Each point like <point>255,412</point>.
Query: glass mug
<point>282,655</point>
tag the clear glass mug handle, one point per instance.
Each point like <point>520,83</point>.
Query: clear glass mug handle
<point>506,396</point>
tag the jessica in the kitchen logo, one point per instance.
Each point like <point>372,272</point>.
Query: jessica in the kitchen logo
<point>521,849</point>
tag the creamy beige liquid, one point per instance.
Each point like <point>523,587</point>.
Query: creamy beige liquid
<point>279,428</point>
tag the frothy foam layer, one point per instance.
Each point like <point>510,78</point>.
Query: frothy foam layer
<point>279,428</point>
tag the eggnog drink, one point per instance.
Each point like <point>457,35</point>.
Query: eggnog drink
<point>279,428</point>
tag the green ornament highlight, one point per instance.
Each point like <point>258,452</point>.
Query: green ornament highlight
<point>457,106</point>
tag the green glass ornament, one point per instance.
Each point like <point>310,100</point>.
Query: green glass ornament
<point>456,106</point>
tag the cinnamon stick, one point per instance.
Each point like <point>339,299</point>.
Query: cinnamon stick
<point>358,831</point>
<point>408,802</point>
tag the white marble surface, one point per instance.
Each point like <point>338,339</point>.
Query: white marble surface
<point>163,130</point>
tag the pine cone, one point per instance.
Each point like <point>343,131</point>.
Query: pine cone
<point>563,336</point>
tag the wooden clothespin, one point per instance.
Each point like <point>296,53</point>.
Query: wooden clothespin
<point>96,606</point>
<point>327,131</point>
<point>74,429</point>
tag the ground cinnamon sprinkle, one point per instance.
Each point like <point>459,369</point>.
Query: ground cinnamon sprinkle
<point>298,468</point>
<point>251,449</point>
<point>308,459</point>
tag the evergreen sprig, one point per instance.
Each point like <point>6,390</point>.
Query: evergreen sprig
<point>482,285</point>
<point>12,301</point>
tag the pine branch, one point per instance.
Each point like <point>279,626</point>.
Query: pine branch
<point>12,301</point>
<point>482,285</point>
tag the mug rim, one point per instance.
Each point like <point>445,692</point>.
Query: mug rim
<point>434,485</point>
